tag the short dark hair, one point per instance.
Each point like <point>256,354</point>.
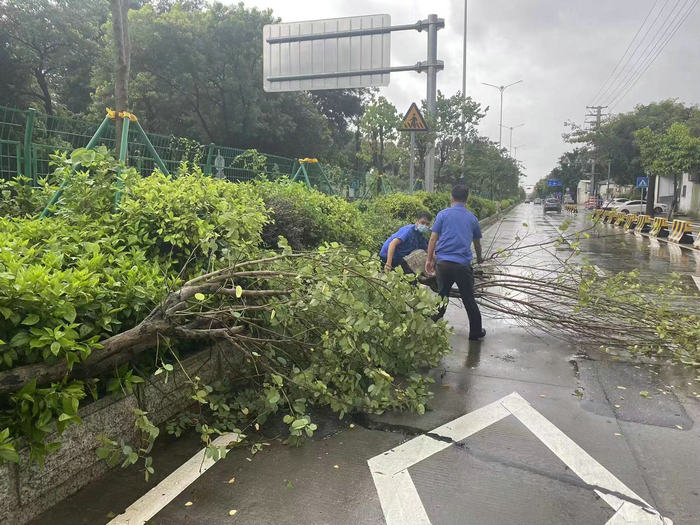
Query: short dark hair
<point>424,215</point>
<point>460,193</point>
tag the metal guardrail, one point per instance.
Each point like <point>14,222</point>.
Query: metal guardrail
<point>29,138</point>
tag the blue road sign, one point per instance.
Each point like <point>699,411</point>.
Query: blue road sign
<point>642,182</point>
<point>553,182</point>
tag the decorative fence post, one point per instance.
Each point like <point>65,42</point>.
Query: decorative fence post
<point>28,132</point>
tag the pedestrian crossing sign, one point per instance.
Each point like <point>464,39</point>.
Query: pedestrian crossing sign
<point>413,121</point>
<point>642,182</point>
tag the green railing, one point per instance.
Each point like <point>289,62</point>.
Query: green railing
<point>29,138</point>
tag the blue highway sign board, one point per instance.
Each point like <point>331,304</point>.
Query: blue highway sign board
<point>553,182</point>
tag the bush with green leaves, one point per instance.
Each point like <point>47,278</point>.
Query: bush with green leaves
<point>346,336</point>
<point>308,218</point>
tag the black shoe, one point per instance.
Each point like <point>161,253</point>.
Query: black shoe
<point>477,337</point>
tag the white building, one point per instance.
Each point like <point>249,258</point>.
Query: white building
<point>688,193</point>
<point>583,190</point>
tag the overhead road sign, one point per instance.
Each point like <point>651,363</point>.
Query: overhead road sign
<point>335,53</point>
<point>642,182</point>
<point>346,53</point>
<point>413,121</point>
<point>553,182</point>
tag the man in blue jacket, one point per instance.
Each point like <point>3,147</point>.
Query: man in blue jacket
<point>409,238</point>
<point>450,256</point>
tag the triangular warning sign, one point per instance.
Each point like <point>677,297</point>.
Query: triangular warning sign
<point>414,121</point>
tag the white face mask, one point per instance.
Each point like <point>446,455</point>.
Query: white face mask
<point>422,228</point>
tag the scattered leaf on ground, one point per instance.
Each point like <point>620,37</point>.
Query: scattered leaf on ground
<point>289,484</point>
<point>232,512</point>
<point>679,427</point>
<point>336,466</point>
<point>618,434</point>
<point>644,393</point>
<point>622,387</point>
<point>232,480</point>
<point>352,425</point>
<point>617,406</point>
<point>188,504</point>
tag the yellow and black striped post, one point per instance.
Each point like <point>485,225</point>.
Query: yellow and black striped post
<point>643,224</point>
<point>660,228</point>
<point>681,232</point>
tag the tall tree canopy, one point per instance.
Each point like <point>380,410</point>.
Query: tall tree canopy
<point>47,48</point>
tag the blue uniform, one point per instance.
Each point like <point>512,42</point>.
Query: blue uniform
<point>411,239</point>
<point>457,227</point>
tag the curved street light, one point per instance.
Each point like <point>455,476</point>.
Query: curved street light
<point>501,89</point>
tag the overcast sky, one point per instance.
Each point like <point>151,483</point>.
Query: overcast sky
<point>562,50</point>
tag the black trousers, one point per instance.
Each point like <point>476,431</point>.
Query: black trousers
<point>399,262</point>
<point>449,273</point>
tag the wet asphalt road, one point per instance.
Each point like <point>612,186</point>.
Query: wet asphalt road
<point>501,474</point>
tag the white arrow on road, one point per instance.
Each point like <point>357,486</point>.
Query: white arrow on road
<point>401,502</point>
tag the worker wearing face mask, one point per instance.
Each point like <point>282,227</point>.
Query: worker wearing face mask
<point>409,238</point>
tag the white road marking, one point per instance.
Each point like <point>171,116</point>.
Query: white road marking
<point>401,502</point>
<point>167,490</point>
<point>697,280</point>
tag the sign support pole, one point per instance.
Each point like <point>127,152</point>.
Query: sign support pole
<point>411,168</point>
<point>431,99</point>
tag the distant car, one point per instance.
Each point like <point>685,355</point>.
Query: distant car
<point>551,205</point>
<point>538,201</point>
<point>640,207</point>
<point>568,199</point>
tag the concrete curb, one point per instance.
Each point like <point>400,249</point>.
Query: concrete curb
<point>28,489</point>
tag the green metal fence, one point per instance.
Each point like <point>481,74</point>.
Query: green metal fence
<point>29,138</point>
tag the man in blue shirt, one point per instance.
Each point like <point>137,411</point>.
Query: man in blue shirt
<point>409,238</point>
<point>450,256</point>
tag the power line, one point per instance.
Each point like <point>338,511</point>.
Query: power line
<point>604,85</point>
<point>660,35</point>
<point>650,62</point>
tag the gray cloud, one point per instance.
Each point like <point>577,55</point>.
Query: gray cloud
<point>562,49</point>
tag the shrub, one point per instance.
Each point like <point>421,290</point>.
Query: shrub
<point>307,217</point>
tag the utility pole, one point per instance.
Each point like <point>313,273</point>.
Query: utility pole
<point>464,96</point>
<point>597,113</point>
<point>464,54</point>
<point>500,122</point>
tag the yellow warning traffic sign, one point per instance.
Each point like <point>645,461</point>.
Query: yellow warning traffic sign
<point>414,121</point>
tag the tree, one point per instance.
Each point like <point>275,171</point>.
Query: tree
<point>196,72</point>
<point>570,169</point>
<point>379,125</point>
<point>455,125</point>
<point>49,48</point>
<point>670,153</point>
<point>122,53</point>
<point>615,140</point>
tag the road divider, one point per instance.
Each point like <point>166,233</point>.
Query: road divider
<point>659,228</point>
<point>571,208</point>
<point>630,221</point>
<point>620,219</point>
<point>643,224</point>
<point>681,232</point>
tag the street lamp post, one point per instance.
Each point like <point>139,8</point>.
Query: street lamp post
<point>510,143</point>
<point>501,89</point>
